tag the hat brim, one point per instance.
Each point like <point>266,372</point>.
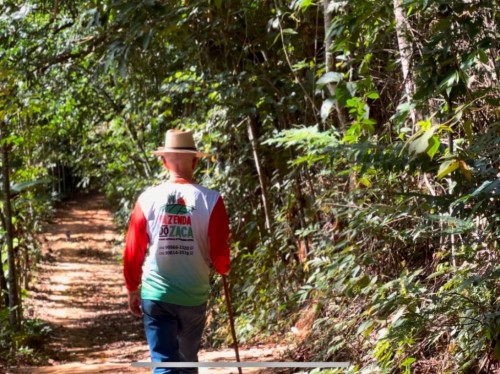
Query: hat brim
<point>163,151</point>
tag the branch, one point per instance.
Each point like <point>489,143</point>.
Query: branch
<point>60,28</point>
<point>118,108</point>
<point>95,42</point>
<point>287,57</point>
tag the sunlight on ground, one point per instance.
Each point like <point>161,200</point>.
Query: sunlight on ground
<point>80,294</point>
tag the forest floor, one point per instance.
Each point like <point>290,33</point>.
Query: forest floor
<point>78,291</point>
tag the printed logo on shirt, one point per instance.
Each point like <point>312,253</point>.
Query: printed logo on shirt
<point>176,205</point>
<point>176,226</point>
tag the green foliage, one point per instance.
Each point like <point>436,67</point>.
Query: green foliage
<point>25,347</point>
<point>389,226</point>
<point>362,261</point>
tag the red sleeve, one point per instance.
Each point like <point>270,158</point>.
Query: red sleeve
<point>136,245</point>
<point>218,233</point>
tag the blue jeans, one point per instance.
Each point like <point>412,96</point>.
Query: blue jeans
<point>173,333</point>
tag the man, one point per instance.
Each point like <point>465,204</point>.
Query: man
<point>186,228</point>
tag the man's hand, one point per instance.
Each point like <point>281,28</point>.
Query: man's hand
<point>134,303</point>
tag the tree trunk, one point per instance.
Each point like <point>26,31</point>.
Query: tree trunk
<point>330,64</point>
<point>14,306</point>
<point>301,202</point>
<point>451,148</point>
<point>4,289</point>
<point>251,125</point>
<point>4,292</point>
<point>405,53</point>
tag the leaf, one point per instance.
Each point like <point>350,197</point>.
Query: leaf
<point>468,130</point>
<point>468,62</point>
<point>447,167</point>
<point>123,68</point>
<point>147,39</point>
<point>465,169</point>
<point>301,65</point>
<point>343,94</point>
<point>464,77</point>
<point>403,108</point>
<point>434,144</point>
<point>496,350</point>
<point>483,57</point>
<point>408,361</point>
<point>326,108</point>
<point>366,327</point>
<point>373,95</point>
<point>450,80</point>
<point>365,64</point>
<point>365,182</point>
<point>330,77</point>
<point>304,4</point>
<point>19,187</point>
<point>22,13</point>
<point>421,144</point>
<point>483,189</point>
<point>398,314</point>
<point>424,125</point>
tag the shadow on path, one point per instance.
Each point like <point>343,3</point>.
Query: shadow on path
<point>79,291</point>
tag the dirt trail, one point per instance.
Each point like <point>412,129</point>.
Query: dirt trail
<point>79,292</point>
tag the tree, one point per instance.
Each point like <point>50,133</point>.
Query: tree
<point>291,98</point>
<point>14,305</point>
<point>405,52</point>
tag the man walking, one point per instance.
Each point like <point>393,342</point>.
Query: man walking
<point>186,229</point>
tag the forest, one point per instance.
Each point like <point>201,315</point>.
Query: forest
<point>356,144</point>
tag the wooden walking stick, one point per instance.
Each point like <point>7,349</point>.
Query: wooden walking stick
<point>231,321</point>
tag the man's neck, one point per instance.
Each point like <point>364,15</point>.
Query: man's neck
<point>177,178</point>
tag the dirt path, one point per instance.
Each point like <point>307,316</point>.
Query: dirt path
<point>79,292</point>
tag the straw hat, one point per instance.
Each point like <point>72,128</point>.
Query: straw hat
<point>178,141</point>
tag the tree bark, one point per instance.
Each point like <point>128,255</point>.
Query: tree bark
<point>330,66</point>
<point>4,292</point>
<point>14,306</point>
<point>252,129</point>
<point>330,63</point>
<point>405,53</point>
<point>4,289</point>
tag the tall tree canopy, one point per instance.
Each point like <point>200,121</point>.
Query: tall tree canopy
<point>356,144</point>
